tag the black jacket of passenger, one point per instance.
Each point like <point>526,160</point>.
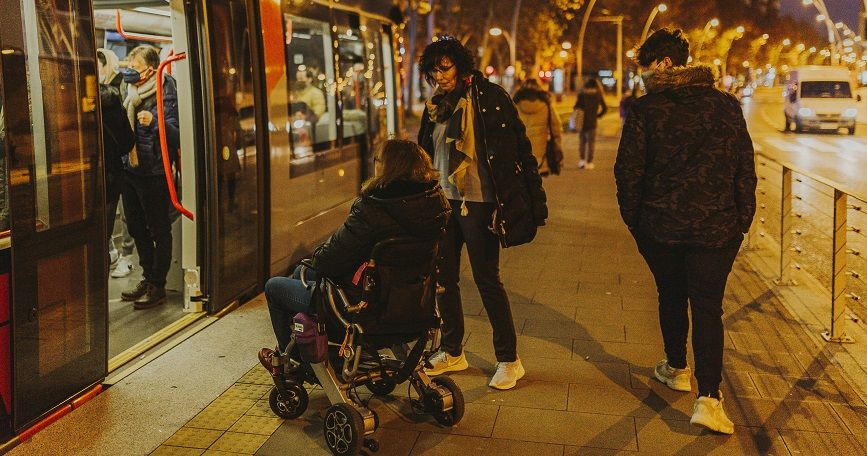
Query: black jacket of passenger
<point>117,135</point>
<point>402,208</point>
<point>505,149</point>
<point>685,171</point>
<point>150,159</point>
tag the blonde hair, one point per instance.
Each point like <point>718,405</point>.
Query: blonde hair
<point>401,160</point>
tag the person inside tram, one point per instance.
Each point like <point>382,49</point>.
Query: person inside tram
<point>302,129</point>
<point>118,140</point>
<point>304,91</point>
<point>146,196</point>
<point>402,199</point>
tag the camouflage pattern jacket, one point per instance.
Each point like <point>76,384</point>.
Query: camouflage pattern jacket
<point>685,170</point>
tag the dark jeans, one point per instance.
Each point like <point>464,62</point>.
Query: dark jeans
<point>587,145</point>
<point>691,277</point>
<point>113,189</point>
<point>146,206</point>
<point>286,297</point>
<point>483,248</point>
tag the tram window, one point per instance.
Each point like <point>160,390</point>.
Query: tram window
<point>310,73</point>
<point>376,81</point>
<point>351,82</point>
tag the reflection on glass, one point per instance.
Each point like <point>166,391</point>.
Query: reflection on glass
<point>4,182</point>
<point>351,81</point>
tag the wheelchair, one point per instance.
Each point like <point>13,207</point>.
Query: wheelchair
<point>387,338</point>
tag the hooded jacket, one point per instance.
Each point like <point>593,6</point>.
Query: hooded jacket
<point>504,148</point>
<point>591,102</point>
<point>685,171</point>
<point>401,208</point>
<point>535,110</point>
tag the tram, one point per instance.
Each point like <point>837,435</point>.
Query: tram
<point>280,103</point>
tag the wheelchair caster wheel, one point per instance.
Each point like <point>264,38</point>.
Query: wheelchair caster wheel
<point>290,407</point>
<point>344,430</point>
<point>451,417</point>
<point>381,387</point>
<point>372,445</point>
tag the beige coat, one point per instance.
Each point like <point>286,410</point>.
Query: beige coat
<point>534,114</point>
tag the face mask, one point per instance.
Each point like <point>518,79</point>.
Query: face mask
<point>130,76</point>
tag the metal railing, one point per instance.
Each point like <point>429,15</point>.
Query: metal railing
<point>805,243</point>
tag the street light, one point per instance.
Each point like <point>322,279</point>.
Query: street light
<point>660,8</point>
<point>496,31</point>
<point>738,35</point>
<point>566,45</point>
<point>711,23</point>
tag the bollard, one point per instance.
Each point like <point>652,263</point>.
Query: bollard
<point>785,278</point>
<point>837,333</point>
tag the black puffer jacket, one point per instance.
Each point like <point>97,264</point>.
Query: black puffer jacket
<point>150,159</point>
<point>506,150</point>
<point>685,171</point>
<point>117,135</point>
<point>402,208</point>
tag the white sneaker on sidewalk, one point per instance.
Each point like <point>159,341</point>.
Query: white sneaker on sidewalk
<point>590,166</point>
<point>581,164</point>
<point>124,267</point>
<point>507,375</point>
<point>676,379</point>
<point>443,362</point>
<point>709,413</point>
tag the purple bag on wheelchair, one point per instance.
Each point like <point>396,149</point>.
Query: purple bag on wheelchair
<point>310,338</point>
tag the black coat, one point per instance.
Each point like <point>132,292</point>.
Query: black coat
<point>685,169</point>
<point>150,160</point>
<point>401,208</point>
<point>117,135</point>
<point>505,149</point>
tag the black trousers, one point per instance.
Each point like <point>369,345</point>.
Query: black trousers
<point>113,188</point>
<point>146,206</point>
<point>483,248</point>
<point>691,277</point>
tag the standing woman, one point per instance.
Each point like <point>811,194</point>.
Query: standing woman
<point>471,129</point>
<point>537,113</point>
<point>591,102</point>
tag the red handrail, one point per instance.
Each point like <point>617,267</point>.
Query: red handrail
<point>137,37</point>
<point>164,146</point>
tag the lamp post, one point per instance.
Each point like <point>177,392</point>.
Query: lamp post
<point>660,8</point>
<point>739,33</point>
<point>496,31</point>
<point>579,50</point>
<point>711,23</point>
<point>834,38</point>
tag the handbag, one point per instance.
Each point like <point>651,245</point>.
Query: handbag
<point>553,151</point>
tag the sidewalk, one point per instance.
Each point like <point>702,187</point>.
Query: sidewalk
<point>584,304</point>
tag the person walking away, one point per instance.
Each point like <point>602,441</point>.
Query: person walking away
<point>472,131</point>
<point>686,186</point>
<point>591,103</point>
<point>536,111</point>
<point>117,137</point>
<point>146,196</point>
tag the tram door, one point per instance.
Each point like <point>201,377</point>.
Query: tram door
<point>52,138</point>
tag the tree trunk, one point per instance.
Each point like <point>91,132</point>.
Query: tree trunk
<point>486,52</point>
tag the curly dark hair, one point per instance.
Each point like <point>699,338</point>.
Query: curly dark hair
<point>446,46</point>
<point>664,43</point>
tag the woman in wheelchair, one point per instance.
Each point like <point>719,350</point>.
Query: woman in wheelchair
<point>396,224</point>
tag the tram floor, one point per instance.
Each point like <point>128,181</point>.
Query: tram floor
<point>127,326</point>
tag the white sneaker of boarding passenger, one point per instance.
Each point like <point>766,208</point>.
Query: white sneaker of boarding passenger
<point>507,375</point>
<point>581,164</point>
<point>124,267</point>
<point>676,379</point>
<point>443,362</point>
<point>590,166</point>
<point>709,413</point>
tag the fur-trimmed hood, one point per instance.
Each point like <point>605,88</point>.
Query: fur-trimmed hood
<point>683,76</point>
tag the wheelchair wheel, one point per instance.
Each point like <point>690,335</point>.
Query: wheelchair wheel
<point>344,430</point>
<point>453,416</point>
<point>290,407</point>
<point>382,387</point>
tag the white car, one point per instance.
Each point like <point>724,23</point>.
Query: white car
<point>820,98</point>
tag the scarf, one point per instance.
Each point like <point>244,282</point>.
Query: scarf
<point>135,95</point>
<point>456,108</point>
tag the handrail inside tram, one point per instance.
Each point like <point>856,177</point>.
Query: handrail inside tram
<point>167,167</point>
<point>137,36</point>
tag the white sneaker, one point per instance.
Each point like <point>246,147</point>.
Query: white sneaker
<point>443,362</point>
<point>581,164</point>
<point>676,379</point>
<point>124,267</point>
<point>709,413</point>
<point>589,166</point>
<point>507,375</point>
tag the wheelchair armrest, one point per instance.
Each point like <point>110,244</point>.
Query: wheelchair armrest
<point>308,262</point>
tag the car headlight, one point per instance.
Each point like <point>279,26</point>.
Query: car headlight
<point>851,112</point>
<point>805,112</point>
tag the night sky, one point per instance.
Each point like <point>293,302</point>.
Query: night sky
<point>846,11</point>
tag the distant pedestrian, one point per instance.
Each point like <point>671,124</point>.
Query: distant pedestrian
<point>686,186</point>
<point>542,122</point>
<point>592,106</point>
<point>471,129</point>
